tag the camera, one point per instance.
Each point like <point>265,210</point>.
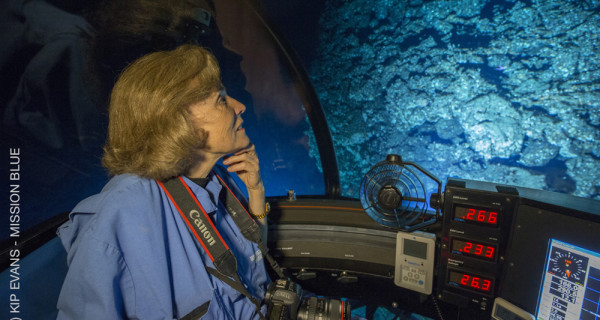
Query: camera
<point>284,302</point>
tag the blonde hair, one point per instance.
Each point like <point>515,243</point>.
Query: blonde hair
<point>150,133</point>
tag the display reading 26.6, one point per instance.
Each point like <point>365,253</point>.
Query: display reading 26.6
<point>476,215</point>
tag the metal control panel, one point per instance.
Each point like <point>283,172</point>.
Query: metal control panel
<point>476,225</point>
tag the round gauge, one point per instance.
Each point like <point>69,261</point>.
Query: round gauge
<point>567,265</point>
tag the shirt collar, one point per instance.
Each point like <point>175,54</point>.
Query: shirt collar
<point>209,196</point>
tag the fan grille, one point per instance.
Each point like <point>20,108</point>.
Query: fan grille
<point>393,194</point>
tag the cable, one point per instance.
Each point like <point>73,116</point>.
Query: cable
<point>437,307</point>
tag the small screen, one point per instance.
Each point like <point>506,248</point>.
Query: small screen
<point>505,314</point>
<point>571,283</point>
<point>415,249</point>
<point>477,215</point>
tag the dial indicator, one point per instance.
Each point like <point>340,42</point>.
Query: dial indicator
<point>568,265</point>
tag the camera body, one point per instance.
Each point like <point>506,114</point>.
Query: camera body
<point>284,302</point>
<point>283,299</point>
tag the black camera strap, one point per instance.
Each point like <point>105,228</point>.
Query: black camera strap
<point>203,229</point>
<point>245,222</point>
<point>200,225</point>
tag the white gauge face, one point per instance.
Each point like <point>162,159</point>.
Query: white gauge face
<point>567,265</point>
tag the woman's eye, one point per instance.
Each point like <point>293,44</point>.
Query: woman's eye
<point>222,98</point>
<point>223,101</point>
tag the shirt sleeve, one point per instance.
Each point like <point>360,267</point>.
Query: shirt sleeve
<point>95,284</point>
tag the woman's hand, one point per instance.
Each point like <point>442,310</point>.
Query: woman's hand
<point>245,164</point>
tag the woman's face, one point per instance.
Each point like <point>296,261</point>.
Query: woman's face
<point>220,117</point>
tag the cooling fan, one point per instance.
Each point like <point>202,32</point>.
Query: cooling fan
<point>394,194</point>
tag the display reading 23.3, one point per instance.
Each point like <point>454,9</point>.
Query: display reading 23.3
<point>474,249</point>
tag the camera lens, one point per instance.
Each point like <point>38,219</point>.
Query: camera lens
<point>323,309</point>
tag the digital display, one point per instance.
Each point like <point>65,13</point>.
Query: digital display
<point>415,249</point>
<point>471,281</point>
<point>474,249</point>
<point>476,215</point>
<point>571,283</point>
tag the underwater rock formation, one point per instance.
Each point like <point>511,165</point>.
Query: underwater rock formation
<point>502,90</point>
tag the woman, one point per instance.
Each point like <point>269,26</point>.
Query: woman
<point>130,253</point>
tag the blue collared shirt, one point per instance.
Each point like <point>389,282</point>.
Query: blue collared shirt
<point>131,255</point>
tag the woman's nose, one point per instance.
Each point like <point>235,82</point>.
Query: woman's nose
<point>238,107</point>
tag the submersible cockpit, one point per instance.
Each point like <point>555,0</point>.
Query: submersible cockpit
<point>421,158</point>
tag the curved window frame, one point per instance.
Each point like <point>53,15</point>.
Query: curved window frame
<point>312,106</point>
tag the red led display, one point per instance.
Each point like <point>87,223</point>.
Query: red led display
<point>476,215</point>
<point>474,249</point>
<point>471,281</point>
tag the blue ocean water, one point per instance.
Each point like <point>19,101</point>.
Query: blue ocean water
<point>504,91</point>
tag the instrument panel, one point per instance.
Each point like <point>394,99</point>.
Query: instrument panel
<point>490,245</point>
<point>475,229</point>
